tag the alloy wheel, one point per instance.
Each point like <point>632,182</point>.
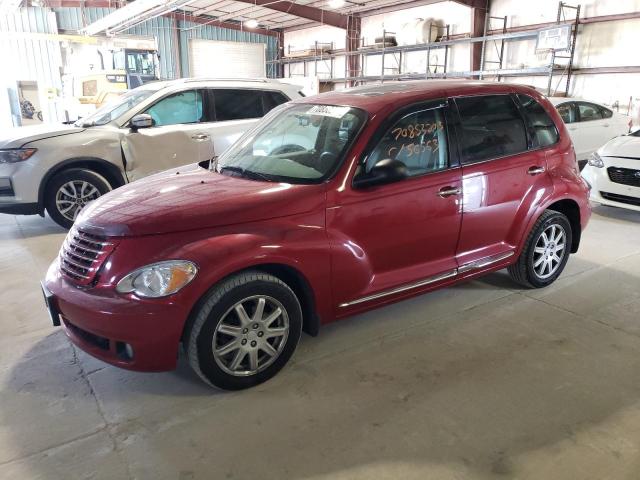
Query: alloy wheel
<point>549,251</point>
<point>251,335</point>
<point>72,196</point>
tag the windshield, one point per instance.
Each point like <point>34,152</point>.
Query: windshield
<point>636,133</point>
<point>117,107</point>
<point>296,144</point>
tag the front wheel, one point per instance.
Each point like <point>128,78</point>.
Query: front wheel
<point>545,252</point>
<point>244,332</point>
<point>69,191</point>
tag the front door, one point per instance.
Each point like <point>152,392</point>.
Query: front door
<point>180,135</point>
<point>400,236</point>
<point>502,141</point>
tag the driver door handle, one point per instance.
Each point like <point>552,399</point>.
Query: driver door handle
<point>535,170</point>
<point>449,191</point>
<point>200,137</point>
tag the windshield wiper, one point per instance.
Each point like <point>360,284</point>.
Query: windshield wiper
<point>246,173</point>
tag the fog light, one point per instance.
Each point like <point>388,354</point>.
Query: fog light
<point>124,350</point>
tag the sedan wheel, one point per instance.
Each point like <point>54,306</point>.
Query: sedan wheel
<point>244,331</point>
<point>73,196</point>
<point>549,251</point>
<point>251,335</point>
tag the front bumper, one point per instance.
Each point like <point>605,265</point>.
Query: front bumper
<point>101,322</point>
<point>606,192</point>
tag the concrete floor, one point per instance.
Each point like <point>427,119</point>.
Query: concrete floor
<point>479,381</point>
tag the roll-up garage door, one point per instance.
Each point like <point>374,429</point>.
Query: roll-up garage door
<point>214,59</point>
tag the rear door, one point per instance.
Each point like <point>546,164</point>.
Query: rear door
<point>503,173</point>
<point>178,137</point>
<point>592,130</point>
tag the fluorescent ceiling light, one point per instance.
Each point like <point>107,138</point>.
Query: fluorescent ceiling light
<point>251,23</point>
<point>336,3</point>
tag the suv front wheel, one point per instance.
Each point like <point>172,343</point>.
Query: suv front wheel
<point>545,252</point>
<point>244,331</point>
<point>69,191</point>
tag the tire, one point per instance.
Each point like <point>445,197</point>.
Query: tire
<point>528,270</point>
<point>68,191</point>
<point>217,324</point>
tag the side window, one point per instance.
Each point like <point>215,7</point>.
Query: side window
<point>181,107</point>
<point>418,140</point>
<point>542,130</point>
<point>272,99</point>
<point>491,126</point>
<point>237,104</point>
<point>589,112</point>
<point>567,111</point>
<point>606,113</point>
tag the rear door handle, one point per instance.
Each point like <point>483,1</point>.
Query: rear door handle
<point>200,137</point>
<point>535,170</point>
<point>449,191</point>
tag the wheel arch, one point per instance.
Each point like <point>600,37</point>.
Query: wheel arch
<point>108,170</point>
<point>295,279</point>
<point>570,209</point>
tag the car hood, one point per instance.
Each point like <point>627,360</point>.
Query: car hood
<point>18,136</point>
<point>627,146</point>
<point>191,198</point>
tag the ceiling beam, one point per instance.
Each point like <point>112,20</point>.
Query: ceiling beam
<point>473,3</point>
<point>319,15</point>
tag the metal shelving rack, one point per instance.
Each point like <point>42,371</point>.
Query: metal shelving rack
<point>499,40</point>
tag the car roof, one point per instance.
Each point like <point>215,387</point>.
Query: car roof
<point>373,98</point>
<point>220,82</point>
<point>559,100</point>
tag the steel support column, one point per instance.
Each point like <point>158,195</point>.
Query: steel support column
<point>352,43</point>
<point>478,22</point>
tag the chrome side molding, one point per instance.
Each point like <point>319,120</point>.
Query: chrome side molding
<point>484,262</point>
<point>476,264</point>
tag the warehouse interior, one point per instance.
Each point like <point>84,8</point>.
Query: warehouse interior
<point>481,379</point>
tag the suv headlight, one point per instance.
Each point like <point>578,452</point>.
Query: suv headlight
<point>158,279</point>
<point>595,160</point>
<point>13,155</point>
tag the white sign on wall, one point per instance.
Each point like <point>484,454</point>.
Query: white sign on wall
<point>556,38</point>
<point>215,59</point>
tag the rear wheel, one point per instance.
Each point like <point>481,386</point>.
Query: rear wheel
<point>245,331</point>
<point>545,253</point>
<point>70,190</point>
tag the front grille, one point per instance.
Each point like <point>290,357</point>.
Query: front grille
<point>621,198</point>
<point>625,176</point>
<point>82,254</point>
<point>91,338</point>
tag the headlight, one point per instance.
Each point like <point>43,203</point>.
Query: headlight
<point>13,155</point>
<point>595,160</point>
<point>158,279</point>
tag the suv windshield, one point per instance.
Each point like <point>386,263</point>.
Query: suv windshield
<point>296,144</point>
<point>117,107</point>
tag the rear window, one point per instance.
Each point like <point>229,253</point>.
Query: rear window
<point>542,130</point>
<point>491,127</point>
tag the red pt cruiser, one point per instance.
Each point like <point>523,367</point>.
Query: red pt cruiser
<point>330,206</point>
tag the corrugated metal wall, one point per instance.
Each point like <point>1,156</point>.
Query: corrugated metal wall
<point>172,57</point>
<point>26,57</point>
<point>162,28</point>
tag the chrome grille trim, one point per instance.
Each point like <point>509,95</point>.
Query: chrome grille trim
<point>82,255</point>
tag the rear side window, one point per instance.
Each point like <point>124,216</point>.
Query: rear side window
<point>589,112</point>
<point>491,126</point>
<point>606,113</point>
<point>542,130</point>
<point>237,104</point>
<point>418,140</point>
<point>272,99</point>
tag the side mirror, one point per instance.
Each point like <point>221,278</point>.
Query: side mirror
<point>142,120</point>
<point>385,171</point>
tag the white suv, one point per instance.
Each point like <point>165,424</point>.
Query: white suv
<point>149,129</point>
